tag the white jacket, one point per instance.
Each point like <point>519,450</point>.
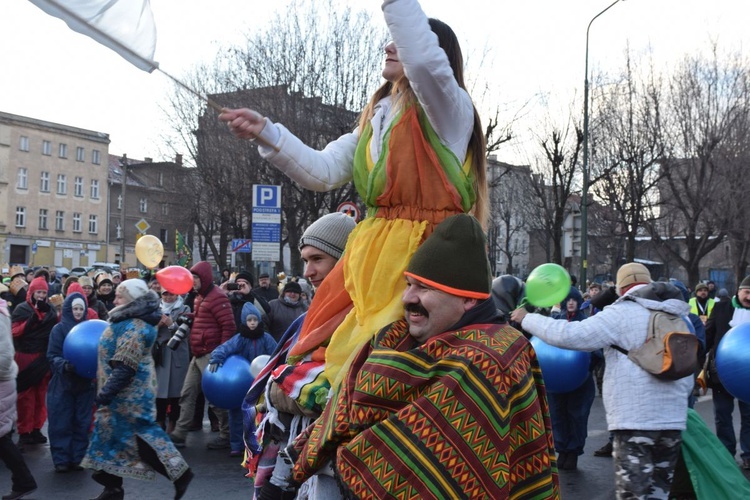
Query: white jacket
<point>633,398</point>
<point>448,108</point>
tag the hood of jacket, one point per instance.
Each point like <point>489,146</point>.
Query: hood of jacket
<point>66,317</point>
<point>203,270</point>
<point>658,296</point>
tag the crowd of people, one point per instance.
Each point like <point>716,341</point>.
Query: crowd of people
<point>408,373</point>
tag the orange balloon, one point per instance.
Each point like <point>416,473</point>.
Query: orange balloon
<point>175,279</point>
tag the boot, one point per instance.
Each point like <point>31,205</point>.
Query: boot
<point>181,484</point>
<point>111,494</point>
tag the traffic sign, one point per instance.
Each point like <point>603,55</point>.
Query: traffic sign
<point>242,246</point>
<point>266,226</point>
<point>142,226</point>
<point>350,209</point>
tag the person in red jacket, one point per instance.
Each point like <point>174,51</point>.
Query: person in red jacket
<point>31,324</point>
<point>213,324</point>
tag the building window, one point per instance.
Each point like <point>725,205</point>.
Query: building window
<point>96,157</point>
<point>23,178</point>
<point>93,224</point>
<point>164,236</point>
<point>165,208</point>
<point>80,154</point>
<point>43,218</point>
<point>20,216</point>
<point>60,220</point>
<point>143,205</point>
<point>78,187</point>
<point>119,202</point>
<point>76,223</point>
<point>161,178</point>
<point>44,183</point>
<point>94,189</point>
<point>46,148</point>
<point>62,152</point>
<point>23,143</point>
<point>118,229</point>
<point>62,184</point>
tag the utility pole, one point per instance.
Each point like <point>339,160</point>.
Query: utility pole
<point>124,165</point>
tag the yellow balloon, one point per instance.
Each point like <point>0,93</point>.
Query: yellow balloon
<point>149,250</point>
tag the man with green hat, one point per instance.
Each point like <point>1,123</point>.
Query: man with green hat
<point>448,400</point>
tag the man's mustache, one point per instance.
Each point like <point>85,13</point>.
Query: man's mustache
<point>416,309</point>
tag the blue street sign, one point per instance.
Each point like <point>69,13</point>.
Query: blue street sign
<point>242,246</point>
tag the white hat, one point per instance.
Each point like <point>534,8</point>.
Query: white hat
<point>131,290</point>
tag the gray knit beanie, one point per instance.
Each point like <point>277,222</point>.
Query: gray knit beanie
<point>329,233</point>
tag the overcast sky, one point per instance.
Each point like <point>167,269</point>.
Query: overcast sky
<point>537,48</point>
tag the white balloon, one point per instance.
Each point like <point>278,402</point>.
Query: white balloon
<point>258,364</point>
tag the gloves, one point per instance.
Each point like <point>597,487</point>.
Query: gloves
<point>119,379</point>
<point>69,367</point>
<point>212,367</point>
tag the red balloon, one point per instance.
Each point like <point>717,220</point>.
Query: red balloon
<point>175,279</point>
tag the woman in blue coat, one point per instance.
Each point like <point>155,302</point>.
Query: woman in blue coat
<point>70,397</point>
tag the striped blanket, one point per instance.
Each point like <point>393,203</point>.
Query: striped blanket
<point>463,415</point>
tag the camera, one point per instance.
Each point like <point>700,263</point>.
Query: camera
<point>184,323</point>
<point>233,286</point>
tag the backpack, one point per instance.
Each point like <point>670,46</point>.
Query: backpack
<point>670,351</point>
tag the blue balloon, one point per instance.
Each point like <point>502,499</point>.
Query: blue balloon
<point>227,386</point>
<point>733,361</point>
<point>81,346</point>
<point>563,370</point>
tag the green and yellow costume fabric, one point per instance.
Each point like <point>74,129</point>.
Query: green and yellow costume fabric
<point>416,183</point>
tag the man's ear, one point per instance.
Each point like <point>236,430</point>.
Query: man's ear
<point>469,303</point>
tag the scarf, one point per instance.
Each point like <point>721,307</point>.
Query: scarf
<point>168,307</point>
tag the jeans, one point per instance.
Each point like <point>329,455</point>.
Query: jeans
<point>569,413</point>
<point>723,408</point>
<point>235,430</point>
<point>190,390</point>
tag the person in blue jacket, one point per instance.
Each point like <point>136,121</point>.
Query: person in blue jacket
<point>70,397</point>
<point>570,410</point>
<point>250,342</point>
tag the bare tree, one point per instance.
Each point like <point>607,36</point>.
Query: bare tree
<point>553,183</point>
<point>626,147</point>
<point>311,68</point>
<point>707,97</point>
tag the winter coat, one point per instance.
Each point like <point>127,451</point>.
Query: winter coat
<point>633,398</point>
<point>31,328</point>
<point>8,372</point>
<point>171,365</point>
<point>213,321</point>
<point>281,314</point>
<point>61,379</point>
<point>248,348</point>
<point>716,327</point>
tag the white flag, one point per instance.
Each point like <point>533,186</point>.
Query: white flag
<point>125,26</point>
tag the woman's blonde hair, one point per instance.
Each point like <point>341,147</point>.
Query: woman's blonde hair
<point>404,95</point>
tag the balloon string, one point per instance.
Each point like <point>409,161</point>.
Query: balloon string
<point>523,303</point>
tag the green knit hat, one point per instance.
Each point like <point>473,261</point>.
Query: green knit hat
<point>454,259</point>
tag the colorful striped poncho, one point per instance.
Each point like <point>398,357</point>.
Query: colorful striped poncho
<point>463,415</point>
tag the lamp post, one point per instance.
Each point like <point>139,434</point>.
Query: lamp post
<point>585,188</point>
<point>124,165</point>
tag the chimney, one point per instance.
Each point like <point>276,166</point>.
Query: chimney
<point>178,159</point>
<point>148,160</point>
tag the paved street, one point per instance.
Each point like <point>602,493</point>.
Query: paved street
<point>219,476</point>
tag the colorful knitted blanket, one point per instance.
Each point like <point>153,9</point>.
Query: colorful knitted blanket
<point>463,415</point>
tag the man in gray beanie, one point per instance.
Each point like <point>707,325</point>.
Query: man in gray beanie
<point>323,243</point>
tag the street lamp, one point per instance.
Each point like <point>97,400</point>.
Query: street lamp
<point>585,188</point>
